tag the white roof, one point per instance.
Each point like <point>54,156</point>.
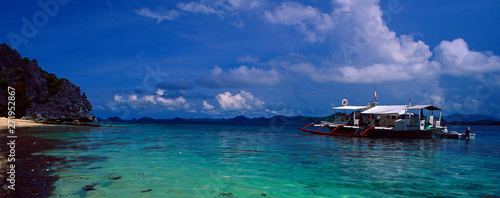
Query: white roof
<point>352,107</point>
<point>428,107</point>
<point>387,109</point>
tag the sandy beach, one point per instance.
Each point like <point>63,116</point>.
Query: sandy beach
<point>19,123</point>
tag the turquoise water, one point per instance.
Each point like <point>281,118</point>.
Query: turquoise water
<point>148,160</point>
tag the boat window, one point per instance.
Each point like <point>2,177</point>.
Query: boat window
<point>388,117</point>
<point>393,117</point>
<point>402,116</point>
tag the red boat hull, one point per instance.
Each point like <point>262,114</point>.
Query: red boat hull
<point>372,132</point>
<point>340,133</point>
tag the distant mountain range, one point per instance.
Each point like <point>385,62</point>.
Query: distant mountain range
<point>468,118</point>
<point>456,119</point>
<point>278,120</point>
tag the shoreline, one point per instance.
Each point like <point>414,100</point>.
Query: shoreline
<point>20,123</point>
<point>32,172</point>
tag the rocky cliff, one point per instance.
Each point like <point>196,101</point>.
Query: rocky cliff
<point>39,94</point>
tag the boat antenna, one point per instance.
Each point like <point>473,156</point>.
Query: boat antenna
<point>375,89</point>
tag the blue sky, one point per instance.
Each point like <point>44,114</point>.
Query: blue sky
<point>222,58</point>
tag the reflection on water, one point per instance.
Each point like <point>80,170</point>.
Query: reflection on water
<point>256,161</point>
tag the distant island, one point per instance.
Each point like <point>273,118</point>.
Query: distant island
<point>456,119</point>
<point>239,120</point>
<point>40,95</point>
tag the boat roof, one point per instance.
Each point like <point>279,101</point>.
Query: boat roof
<point>386,109</point>
<point>428,107</point>
<point>352,108</point>
<point>397,109</point>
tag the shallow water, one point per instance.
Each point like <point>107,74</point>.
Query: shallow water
<point>155,160</point>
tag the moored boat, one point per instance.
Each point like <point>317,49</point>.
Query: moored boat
<point>398,121</point>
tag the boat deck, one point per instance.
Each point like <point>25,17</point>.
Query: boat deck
<point>332,125</point>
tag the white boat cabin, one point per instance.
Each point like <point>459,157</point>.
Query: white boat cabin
<point>392,117</point>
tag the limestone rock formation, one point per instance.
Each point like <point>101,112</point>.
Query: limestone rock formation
<point>39,94</point>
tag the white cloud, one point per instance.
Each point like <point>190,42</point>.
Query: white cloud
<point>458,60</point>
<point>370,50</point>
<point>241,77</point>
<point>220,6</point>
<point>173,104</point>
<point>160,92</point>
<point>132,97</point>
<point>367,48</point>
<point>207,106</point>
<point>242,4</point>
<point>118,98</point>
<point>100,108</point>
<point>210,109</point>
<point>150,98</point>
<point>307,20</point>
<point>196,7</point>
<point>386,72</point>
<point>241,101</point>
<point>168,15</point>
<point>149,102</point>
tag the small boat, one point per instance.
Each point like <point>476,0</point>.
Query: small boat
<point>398,121</point>
<point>455,135</point>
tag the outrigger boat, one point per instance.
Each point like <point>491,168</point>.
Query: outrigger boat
<point>400,121</point>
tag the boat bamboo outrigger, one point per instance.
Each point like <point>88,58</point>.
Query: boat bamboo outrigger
<point>402,121</point>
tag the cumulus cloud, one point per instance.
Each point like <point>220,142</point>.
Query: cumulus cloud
<point>307,20</point>
<point>149,102</point>
<point>367,48</point>
<point>458,60</point>
<point>207,106</point>
<point>240,101</point>
<point>159,16</point>
<point>210,109</point>
<point>384,72</point>
<point>241,77</point>
<point>371,50</point>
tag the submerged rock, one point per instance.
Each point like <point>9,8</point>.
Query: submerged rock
<point>90,187</point>
<point>116,178</point>
<point>148,190</point>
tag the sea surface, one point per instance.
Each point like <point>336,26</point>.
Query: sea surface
<point>269,160</point>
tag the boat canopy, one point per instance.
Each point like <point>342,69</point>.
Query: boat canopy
<point>387,109</point>
<point>428,107</point>
<point>351,108</point>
